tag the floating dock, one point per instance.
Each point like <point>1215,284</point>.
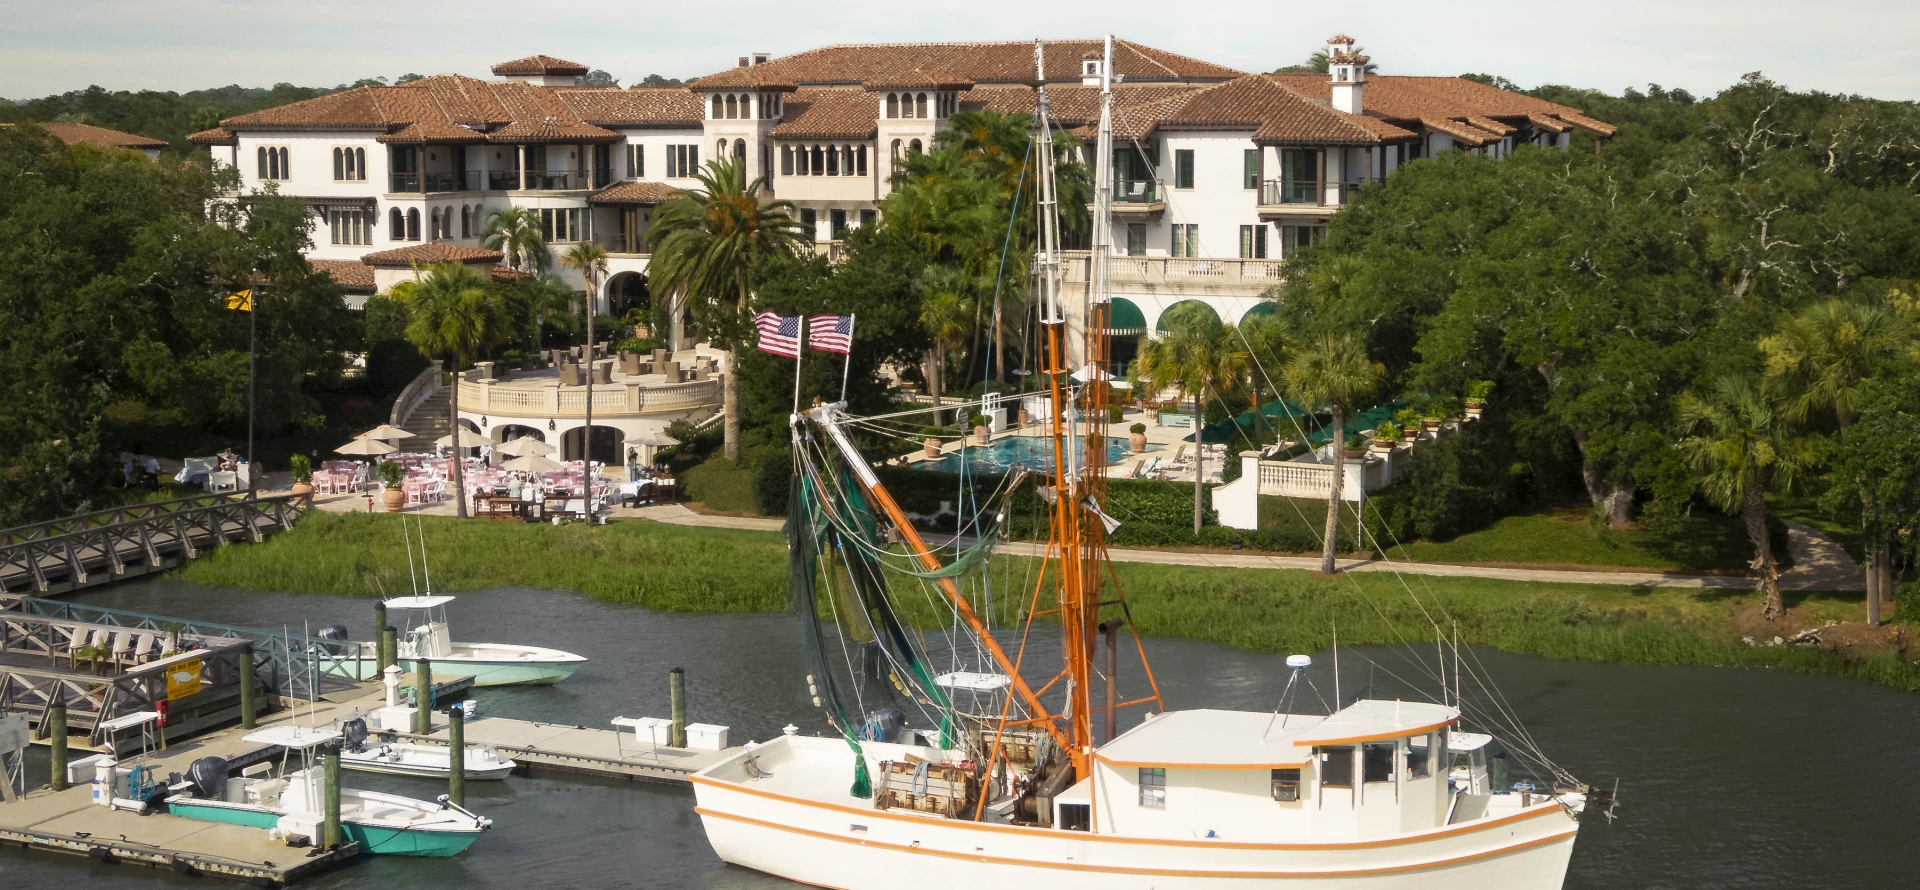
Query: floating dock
<point>578,749</point>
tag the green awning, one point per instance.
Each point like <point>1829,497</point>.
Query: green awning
<point>1161,325</point>
<point>1260,310</point>
<point>1125,319</point>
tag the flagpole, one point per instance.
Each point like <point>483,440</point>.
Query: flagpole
<point>846,363</point>
<point>799,349</point>
<point>252,314</point>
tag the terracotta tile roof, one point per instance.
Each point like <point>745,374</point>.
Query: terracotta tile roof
<point>430,252</point>
<point>100,136</point>
<point>1403,99</point>
<point>1550,124</point>
<point>535,65</point>
<point>215,136</point>
<point>918,79</point>
<point>1598,128</point>
<point>504,274</point>
<point>1492,126</point>
<point>552,129</point>
<point>355,276</point>
<point>635,193</point>
<point>636,107</point>
<point>1009,62</point>
<point>828,113</point>
<point>452,108</point>
<point>421,132</point>
<point>1459,131</point>
<point>1276,114</point>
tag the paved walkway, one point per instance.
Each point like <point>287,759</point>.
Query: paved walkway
<point>1820,563</point>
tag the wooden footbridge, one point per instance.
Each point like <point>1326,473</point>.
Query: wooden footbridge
<point>111,545</point>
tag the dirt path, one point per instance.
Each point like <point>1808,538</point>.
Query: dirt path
<point>1819,562</point>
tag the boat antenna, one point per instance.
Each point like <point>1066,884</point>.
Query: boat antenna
<point>1336,665</point>
<point>1298,663</point>
<point>407,542</point>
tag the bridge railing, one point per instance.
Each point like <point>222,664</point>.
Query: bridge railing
<point>107,539</point>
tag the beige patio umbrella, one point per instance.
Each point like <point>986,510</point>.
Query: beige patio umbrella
<point>652,439</point>
<point>387,432</point>
<point>364,446</point>
<point>523,446</point>
<point>531,463</point>
<point>469,440</point>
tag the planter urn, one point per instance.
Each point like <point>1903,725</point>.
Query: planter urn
<point>394,499</point>
<point>932,447</point>
<point>1025,417</point>
<point>981,434</point>
<point>1137,442</point>
<point>1380,446</point>
<point>302,489</point>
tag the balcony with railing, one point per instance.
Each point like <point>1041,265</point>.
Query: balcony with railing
<point>623,243</point>
<point>1196,275</point>
<point>1138,198</point>
<point>565,180</point>
<point>1303,197</point>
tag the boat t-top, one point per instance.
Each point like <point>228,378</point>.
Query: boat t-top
<point>291,805</point>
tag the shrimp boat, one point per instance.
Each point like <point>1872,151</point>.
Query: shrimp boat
<point>398,758</point>
<point>292,804</point>
<point>1007,782</point>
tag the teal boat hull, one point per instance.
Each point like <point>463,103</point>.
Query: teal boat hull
<point>377,839</point>
<point>494,673</point>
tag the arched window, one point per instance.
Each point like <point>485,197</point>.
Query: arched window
<point>733,107</point>
<point>437,222</point>
<point>914,146</point>
<point>893,105</point>
<point>739,149</point>
<point>720,149</point>
<point>833,160</point>
<point>819,162</point>
<point>260,156</point>
<point>786,160</point>
<point>283,170</point>
<point>360,163</point>
<point>860,159</point>
<point>896,151</point>
<point>466,221</point>
<point>920,105</point>
<point>716,107</point>
<point>396,225</point>
<point>339,164</point>
<point>413,224</point>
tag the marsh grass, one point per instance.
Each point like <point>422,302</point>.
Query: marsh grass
<point>684,569</point>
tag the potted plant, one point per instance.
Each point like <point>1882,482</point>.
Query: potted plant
<point>1384,436</point>
<point>981,432</point>
<point>1477,398</point>
<point>390,475</point>
<point>1408,421</point>
<point>1026,417</point>
<point>1356,446</point>
<point>1137,437</point>
<point>932,442</point>
<point>302,475</point>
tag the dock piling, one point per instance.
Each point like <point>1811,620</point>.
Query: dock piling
<point>457,755</point>
<point>381,656</point>
<point>330,831</point>
<point>677,689</point>
<point>247,704</point>
<point>422,696</point>
<point>57,743</point>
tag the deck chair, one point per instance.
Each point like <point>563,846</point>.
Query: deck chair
<point>143,646</point>
<point>122,650</point>
<point>1180,456</point>
<point>76,640</point>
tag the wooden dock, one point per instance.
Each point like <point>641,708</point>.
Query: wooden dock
<point>570,748</point>
<point>111,545</point>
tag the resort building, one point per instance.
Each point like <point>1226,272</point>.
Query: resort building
<point>101,137</point>
<point>1220,175</point>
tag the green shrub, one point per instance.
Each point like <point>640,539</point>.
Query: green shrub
<point>772,482</point>
<point>302,469</point>
<point>1116,413</point>
<point>1458,483</point>
<point>1138,429</point>
<point>390,473</point>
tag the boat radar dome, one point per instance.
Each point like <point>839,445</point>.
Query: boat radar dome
<point>1299,662</point>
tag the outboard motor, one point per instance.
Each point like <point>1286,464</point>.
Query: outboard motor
<point>354,733</point>
<point>331,632</point>
<point>883,725</point>
<point>209,777</point>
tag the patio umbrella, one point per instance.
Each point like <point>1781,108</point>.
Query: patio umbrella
<point>652,439</point>
<point>386,432</point>
<point>531,463</point>
<point>371,447</point>
<point>469,440</point>
<point>524,446</point>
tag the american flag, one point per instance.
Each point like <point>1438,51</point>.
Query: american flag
<point>830,333</point>
<point>779,334</point>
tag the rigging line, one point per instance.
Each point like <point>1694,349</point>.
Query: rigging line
<point>1000,274</point>
<point>407,542</point>
<point>949,406</point>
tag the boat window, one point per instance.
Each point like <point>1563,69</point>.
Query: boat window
<point>1076,816</point>
<point>1336,767</point>
<point>1417,757</point>
<point>1153,787</point>
<point>1376,762</point>
<point>1286,784</point>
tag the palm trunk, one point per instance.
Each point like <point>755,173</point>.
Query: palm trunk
<point>459,460</point>
<point>730,406</point>
<point>1199,455</point>
<point>1886,574</point>
<point>1754,512</point>
<point>935,366</point>
<point>1874,557</point>
<point>999,348</point>
<point>1339,445</point>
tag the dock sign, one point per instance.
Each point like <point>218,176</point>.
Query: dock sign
<point>183,679</point>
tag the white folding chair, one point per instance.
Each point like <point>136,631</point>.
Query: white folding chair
<point>123,646</point>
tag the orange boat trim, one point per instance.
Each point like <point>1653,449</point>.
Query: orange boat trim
<point>869,812</point>
<point>1400,733</point>
<point>1301,764</point>
<point>1121,869</point>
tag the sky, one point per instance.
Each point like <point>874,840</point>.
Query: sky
<point>1868,47</point>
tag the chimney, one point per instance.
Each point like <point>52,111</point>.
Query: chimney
<point>1090,69</point>
<point>743,62</point>
<point>1347,72</point>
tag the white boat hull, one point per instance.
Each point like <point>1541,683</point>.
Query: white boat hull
<point>845,843</point>
<point>429,761</point>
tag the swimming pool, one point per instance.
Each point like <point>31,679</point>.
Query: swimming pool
<point>1033,452</point>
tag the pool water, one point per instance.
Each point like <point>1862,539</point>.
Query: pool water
<point>1033,452</point>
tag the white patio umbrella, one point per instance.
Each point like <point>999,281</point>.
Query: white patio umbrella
<point>387,432</point>
<point>523,446</point>
<point>531,463</point>
<point>369,447</point>
<point>652,439</point>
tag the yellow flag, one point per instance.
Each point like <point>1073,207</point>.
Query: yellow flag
<point>242,301</point>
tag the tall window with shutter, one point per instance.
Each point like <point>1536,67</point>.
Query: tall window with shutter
<point>1250,165</point>
<point>1183,168</point>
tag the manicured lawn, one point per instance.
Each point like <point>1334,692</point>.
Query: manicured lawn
<point>1706,542</point>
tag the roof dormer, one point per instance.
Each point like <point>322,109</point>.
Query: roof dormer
<point>545,71</point>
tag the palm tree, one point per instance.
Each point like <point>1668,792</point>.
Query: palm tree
<point>1198,355</point>
<point>517,234</point>
<point>455,312</point>
<point>948,315</point>
<point>706,244</point>
<point>591,259</point>
<point>1334,372</point>
<point>1822,355</point>
<point>1740,443</point>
